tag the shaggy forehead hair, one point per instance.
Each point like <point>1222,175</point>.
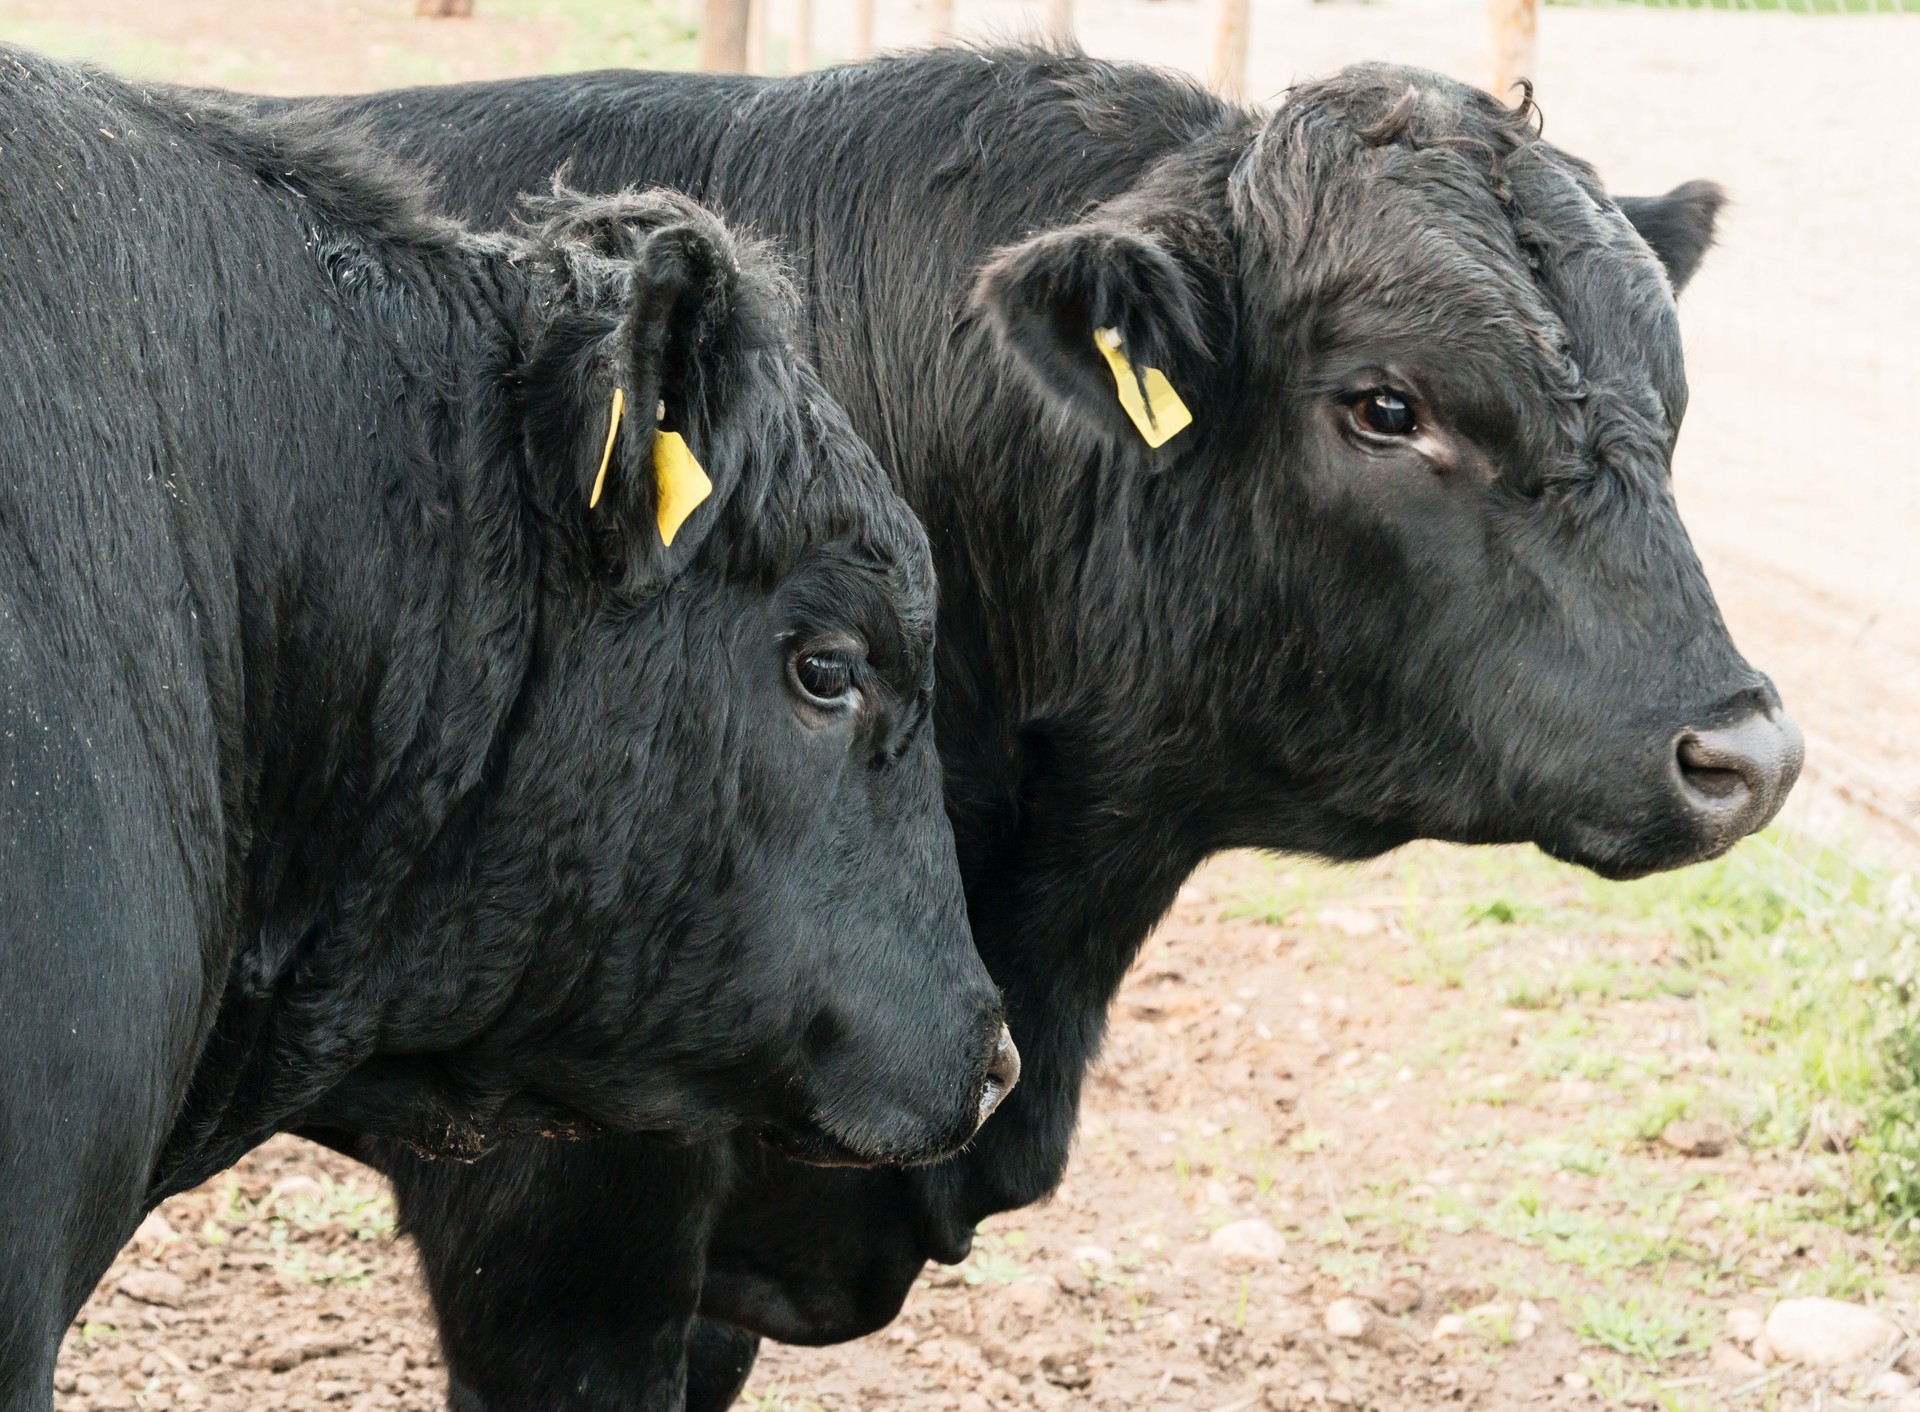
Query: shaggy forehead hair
<point>1397,184</point>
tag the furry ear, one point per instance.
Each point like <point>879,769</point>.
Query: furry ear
<point>1050,302</point>
<point>646,345</point>
<point>1678,226</point>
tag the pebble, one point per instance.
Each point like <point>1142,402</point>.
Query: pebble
<point>1527,1319</point>
<point>1449,1326</point>
<point>1348,1318</point>
<point>1725,1358</point>
<point>154,1287</point>
<point>1825,1333</point>
<point>284,1357</point>
<point>1698,1137</point>
<point>154,1231</point>
<point>1890,1385</point>
<point>1353,921</point>
<point>1745,1325</point>
<point>1396,1297</point>
<point>300,1185</point>
<point>1067,1367</point>
<point>1249,1242</point>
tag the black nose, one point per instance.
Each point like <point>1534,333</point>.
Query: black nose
<point>1736,777</point>
<point>1002,1074</point>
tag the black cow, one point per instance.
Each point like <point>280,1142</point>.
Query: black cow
<point>1414,570</point>
<point>356,767</point>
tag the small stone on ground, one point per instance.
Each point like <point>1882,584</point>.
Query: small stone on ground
<point>1825,1333</point>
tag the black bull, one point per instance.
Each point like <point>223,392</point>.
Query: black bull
<point>1414,570</point>
<point>353,767</point>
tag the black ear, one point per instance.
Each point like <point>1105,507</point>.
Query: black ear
<point>1046,298</point>
<point>657,319</point>
<point>1679,225</point>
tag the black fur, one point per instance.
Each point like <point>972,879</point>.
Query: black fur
<point>353,772</point>
<point>1270,632</point>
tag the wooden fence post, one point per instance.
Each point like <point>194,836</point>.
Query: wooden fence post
<point>1060,21</point>
<point>1230,18</point>
<point>723,36</point>
<point>757,28</point>
<point>800,47</point>
<point>1512,29</point>
<point>863,29</point>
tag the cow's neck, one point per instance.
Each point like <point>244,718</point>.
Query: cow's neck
<point>1070,781</point>
<point>1073,847</point>
<point>389,615</point>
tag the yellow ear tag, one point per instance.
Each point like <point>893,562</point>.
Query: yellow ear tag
<point>1162,415</point>
<point>613,432</point>
<point>678,480</point>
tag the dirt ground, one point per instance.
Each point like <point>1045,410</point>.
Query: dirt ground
<point>1402,1136</point>
<point>1459,1167</point>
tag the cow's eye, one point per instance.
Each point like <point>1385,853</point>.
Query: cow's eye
<point>827,679</point>
<point>1383,412</point>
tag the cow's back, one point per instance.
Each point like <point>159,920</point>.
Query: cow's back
<point>885,184</point>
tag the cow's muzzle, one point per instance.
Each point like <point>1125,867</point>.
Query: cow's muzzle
<point>1733,778</point>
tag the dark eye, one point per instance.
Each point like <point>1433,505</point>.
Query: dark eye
<point>1383,412</point>
<point>826,678</point>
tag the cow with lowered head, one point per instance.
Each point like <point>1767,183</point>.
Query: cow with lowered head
<point>455,687</point>
<point>1413,570</point>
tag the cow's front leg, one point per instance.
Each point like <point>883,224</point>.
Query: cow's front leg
<point>719,1360</point>
<point>100,973</point>
<point>81,1114</point>
<point>565,1275</point>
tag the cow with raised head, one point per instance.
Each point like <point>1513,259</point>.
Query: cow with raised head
<point>455,687</point>
<point>1298,479</point>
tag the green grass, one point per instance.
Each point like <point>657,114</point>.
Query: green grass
<point>361,1213</point>
<point>995,1259</point>
<point>309,1236</point>
<point>1646,1328</point>
<point>1777,988</point>
<point>778,1398</point>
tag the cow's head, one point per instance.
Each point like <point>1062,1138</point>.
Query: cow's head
<point>723,771</point>
<point>1417,561</point>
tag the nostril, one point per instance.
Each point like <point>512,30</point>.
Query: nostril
<point>1712,769</point>
<point>1003,1072</point>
